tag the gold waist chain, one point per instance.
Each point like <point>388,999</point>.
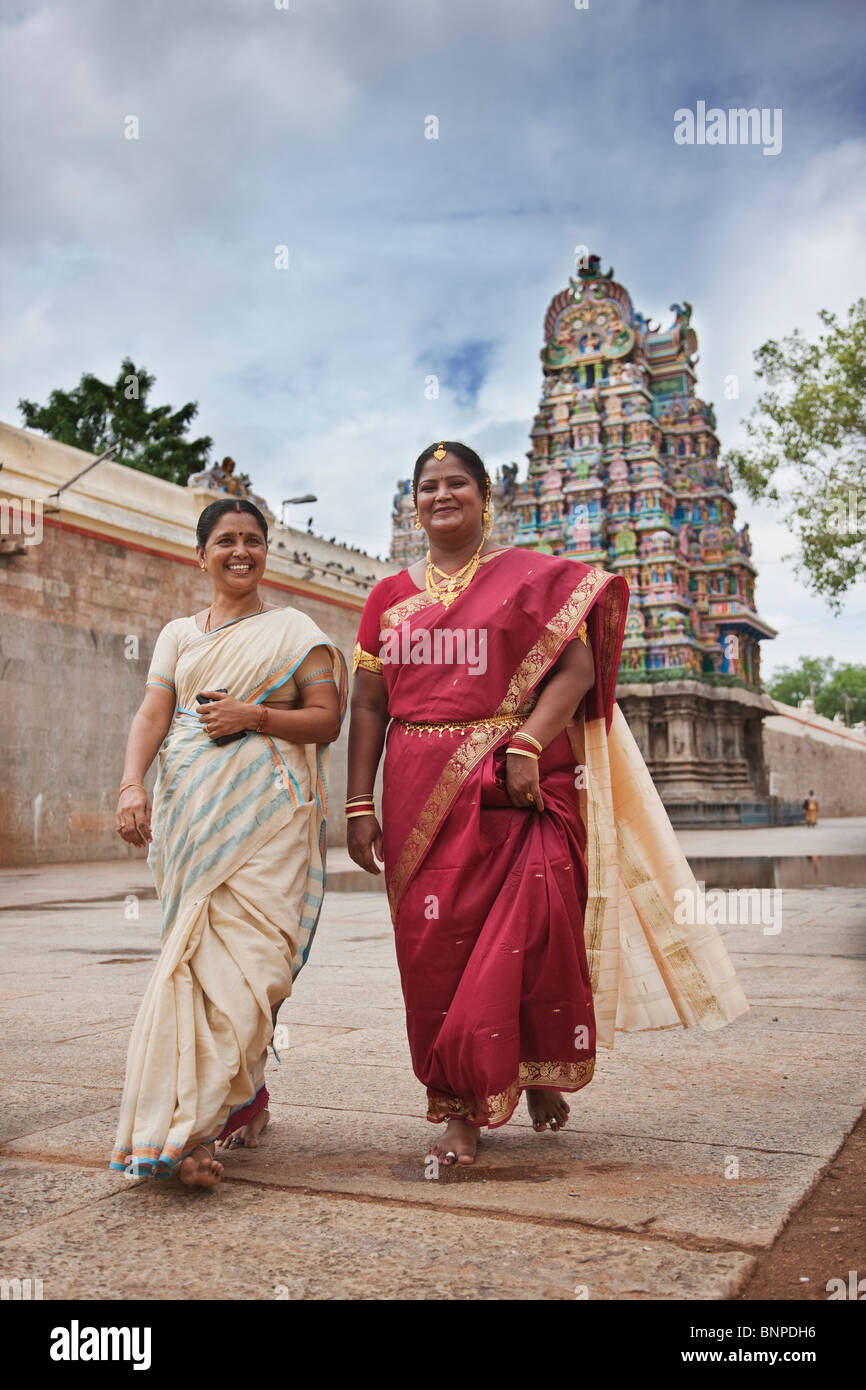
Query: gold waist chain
<point>460,726</point>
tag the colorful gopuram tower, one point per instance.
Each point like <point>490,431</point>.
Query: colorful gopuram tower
<point>624,473</point>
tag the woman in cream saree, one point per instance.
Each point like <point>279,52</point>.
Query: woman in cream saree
<point>532,873</point>
<point>237,852</point>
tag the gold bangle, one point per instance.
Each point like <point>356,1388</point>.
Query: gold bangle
<point>353,815</point>
<point>350,799</point>
<point>123,786</point>
<point>521,753</point>
<point>521,733</point>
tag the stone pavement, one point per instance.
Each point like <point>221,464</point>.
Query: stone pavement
<point>840,837</point>
<point>632,1201</point>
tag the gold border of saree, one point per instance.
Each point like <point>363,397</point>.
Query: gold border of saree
<point>566,1076</point>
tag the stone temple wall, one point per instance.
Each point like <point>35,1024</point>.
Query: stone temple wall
<point>79,614</point>
<point>803,752</point>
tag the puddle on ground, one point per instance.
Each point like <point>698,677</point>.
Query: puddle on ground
<point>139,952</point>
<point>127,960</point>
<point>469,1172</point>
<point>57,904</point>
<point>781,871</point>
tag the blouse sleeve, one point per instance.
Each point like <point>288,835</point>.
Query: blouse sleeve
<point>366,654</point>
<point>164,659</point>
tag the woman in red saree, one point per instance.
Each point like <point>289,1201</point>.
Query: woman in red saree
<point>523,930</point>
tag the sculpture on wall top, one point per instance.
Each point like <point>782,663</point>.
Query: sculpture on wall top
<point>221,478</point>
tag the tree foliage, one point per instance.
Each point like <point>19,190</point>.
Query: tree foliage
<point>97,414</point>
<point>807,448</point>
<point>832,683</point>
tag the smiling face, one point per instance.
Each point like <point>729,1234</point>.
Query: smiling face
<point>235,554</point>
<point>449,501</point>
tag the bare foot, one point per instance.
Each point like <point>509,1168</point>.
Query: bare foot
<point>457,1145</point>
<point>200,1168</point>
<point>547,1108</point>
<point>248,1135</point>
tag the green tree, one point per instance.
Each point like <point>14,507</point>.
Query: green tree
<point>95,415</point>
<point>831,684</point>
<point>845,680</point>
<point>807,448</point>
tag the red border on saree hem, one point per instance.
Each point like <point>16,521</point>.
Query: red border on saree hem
<point>245,1114</point>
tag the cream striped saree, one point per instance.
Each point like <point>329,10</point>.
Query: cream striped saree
<point>238,858</point>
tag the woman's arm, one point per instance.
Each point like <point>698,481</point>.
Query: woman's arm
<point>573,675</point>
<point>366,740</point>
<point>150,724</point>
<point>317,720</point>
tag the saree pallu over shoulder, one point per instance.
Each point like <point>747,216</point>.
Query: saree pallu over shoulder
<point>529,606</point>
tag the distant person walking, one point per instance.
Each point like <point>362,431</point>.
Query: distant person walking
<point>244,699</point>
<point>810,806</point>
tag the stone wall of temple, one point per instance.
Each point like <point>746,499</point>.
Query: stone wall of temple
<point>700,743</point>
<point>79,613</point>
<point>804,751</point>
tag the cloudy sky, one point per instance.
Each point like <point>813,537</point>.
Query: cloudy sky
<point>304,127</point>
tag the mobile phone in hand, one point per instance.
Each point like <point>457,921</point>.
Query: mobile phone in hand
<point>226,738</point>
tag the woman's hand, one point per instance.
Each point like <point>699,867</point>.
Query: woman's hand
<point>521,782</point>
<point>364,838</point>
<point>132,821</point>
<point>226,715</point>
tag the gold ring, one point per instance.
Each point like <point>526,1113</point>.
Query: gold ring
<point>529,796</point>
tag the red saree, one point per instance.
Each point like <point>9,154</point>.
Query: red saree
<point>488,901</point>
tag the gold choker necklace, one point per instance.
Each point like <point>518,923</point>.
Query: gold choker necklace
<point>450,586</point>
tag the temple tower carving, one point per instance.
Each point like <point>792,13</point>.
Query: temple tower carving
<point>624,473</point>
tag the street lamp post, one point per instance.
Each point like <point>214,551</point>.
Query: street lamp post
<point>293,501</point>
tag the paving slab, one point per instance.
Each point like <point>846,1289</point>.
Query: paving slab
<point>94,1059</point>
<point>681,1191</point>
<point>648,1158</point>
<point>157,1241</point>
<point>26,1109</point>
<point>32,1194</point>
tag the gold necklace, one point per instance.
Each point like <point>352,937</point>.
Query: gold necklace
<point>243,615</point>
<point>450,586</point>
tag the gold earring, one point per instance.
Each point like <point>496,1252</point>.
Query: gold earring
<point>487,517</point>
<point>418,526</point>
<point>203,566</point>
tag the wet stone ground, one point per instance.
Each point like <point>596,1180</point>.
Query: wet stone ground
<point>681,1164</point>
